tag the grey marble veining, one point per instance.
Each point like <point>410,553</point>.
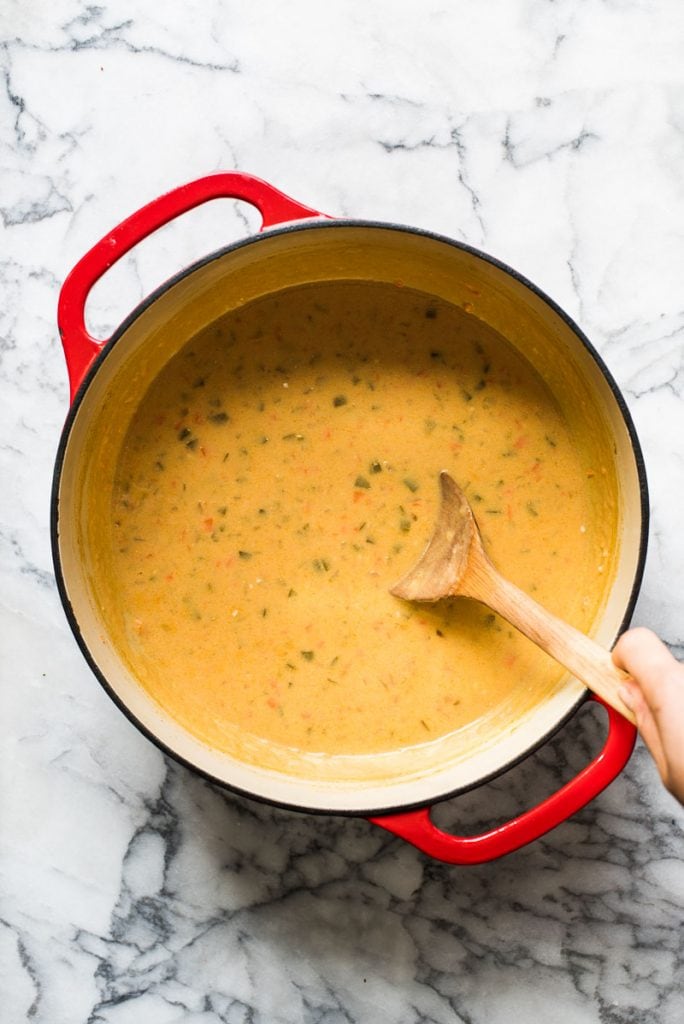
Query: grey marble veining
<point>552,136</point>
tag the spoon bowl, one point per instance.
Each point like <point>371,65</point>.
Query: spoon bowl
<point>455,564</point>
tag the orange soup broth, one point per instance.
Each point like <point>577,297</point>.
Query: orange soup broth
<point>281,474</point>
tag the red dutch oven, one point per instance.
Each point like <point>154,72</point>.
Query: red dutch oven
<point>297,245</point>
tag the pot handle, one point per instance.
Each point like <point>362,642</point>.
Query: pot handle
<point>80,347</point>
<point>416,826</point>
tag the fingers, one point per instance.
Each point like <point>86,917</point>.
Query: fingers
<point>656,695</point>
<point>640,648</point>
<point>634,699</point>
<point>659,676</point>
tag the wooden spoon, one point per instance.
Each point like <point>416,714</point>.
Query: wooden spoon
<point>455,564</point>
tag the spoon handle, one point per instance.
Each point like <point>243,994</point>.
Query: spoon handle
<point>587,660</point>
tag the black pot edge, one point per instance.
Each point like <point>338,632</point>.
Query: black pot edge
<point>308,225</point>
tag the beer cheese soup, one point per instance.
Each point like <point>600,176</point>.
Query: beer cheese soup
<point>282,473</point>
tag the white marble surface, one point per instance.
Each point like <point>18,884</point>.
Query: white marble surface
<point>552,136</point>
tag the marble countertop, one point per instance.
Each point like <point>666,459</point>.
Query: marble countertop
<point>551,135</point>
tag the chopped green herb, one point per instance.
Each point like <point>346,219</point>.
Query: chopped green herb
<point>219,417</point>
<point>411,484</point>
<point>307,655</point>
<point>192,443</point>
<point>531,508</point>
<point>361,482</point>
<point>184,433</point>
<point>222,509</point>
<point>550,441</point>
<point>404,524</point>
<point>320,565</point>
<point>339,400</point>
<point>431,314</point>
<point>375,467</point>
<point>245,554</point>
<point>293,437</point>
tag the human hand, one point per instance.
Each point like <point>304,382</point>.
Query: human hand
<point>655,694</point>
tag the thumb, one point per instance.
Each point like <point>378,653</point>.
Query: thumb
<point>659,677</point>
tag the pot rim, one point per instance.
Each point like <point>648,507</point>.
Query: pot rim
<point>120,331</point>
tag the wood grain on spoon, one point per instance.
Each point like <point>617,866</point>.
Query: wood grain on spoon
<point>455,564</point>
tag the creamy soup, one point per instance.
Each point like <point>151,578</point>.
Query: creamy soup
<point>282,473</point>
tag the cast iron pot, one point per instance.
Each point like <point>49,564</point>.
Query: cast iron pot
<point>298,245</point>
